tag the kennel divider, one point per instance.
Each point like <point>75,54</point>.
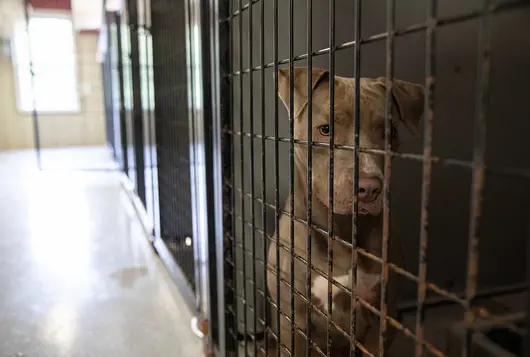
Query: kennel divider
<point>136,110</point>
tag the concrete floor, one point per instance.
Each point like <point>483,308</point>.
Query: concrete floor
<point>77,275</point>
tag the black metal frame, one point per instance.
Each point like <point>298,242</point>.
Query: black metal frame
<point>121,80</point>
<point>154,152</point>
<point>233,139</point>
<point>210,137</point>
<point>137,108</point>
<point>173,144</point>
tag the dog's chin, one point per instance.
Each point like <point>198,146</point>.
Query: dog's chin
<point>364,209</point>
<point>369,208</point>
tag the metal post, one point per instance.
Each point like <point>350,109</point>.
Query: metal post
<point>34,112</point>
<point>123,122</point>
<point>430,75</point>
<point>137,107</point>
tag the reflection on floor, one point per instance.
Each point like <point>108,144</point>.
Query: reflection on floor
<point>77,276</point>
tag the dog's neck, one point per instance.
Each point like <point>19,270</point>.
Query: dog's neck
<point>342,224</point>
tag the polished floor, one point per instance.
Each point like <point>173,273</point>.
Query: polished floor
<point>77,275</point>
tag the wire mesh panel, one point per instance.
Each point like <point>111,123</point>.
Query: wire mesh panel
<point>136,109</point>
<point>148,105</point>
<point>117,79</point>
<point>172,132</point>
<point>127,116</point>
<point>365,213</point>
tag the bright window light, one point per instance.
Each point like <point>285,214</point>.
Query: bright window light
<point>51,48</point>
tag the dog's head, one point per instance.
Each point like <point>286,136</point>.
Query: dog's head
<point>407,109</point>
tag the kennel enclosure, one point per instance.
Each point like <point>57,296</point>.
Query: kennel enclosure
<point>218,157</point>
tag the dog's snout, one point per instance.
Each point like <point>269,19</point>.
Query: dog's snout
<point>369,189</point>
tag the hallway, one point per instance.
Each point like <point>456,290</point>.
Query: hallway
<point>77,274</point>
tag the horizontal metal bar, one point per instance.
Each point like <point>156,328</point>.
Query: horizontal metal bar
<point>454,298</point>
<point>506,171</point>
<point>481,294</point>
<point>394,322</point>
<point>243,8</point>
<point>304,298</point>
<point>495,8</point>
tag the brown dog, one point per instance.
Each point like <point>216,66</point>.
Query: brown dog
<point>408,107</point>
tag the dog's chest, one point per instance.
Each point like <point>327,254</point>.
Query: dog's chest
<point>339,256</point>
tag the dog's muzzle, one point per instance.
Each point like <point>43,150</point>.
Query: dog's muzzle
<point>369,195</point>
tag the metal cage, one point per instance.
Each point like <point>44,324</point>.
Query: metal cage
<point>240,186</point>
<point>462,54</point>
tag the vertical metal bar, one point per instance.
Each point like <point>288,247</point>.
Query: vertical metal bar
<point>242,172</point>
<point>276,175</point>
<point>149,110</point>
<point>263,169</point>
<point>211,131</point>
<point>123,124</point>
<point>331,166</point>
<point>34,112</point>
<point>137,108</point>
<point>430,78</point>
<point>252,185</point>
<point>479,134</point>
<point>226,344</point>
<point>388,166</point>
<point>526,341</point>
<point>309,170</point>
<point>233,179</point>
<point>356,128</point>
<point>195,132</point>
<point>291,166</point>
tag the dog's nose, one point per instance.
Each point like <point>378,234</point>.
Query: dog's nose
<point>369,188</point>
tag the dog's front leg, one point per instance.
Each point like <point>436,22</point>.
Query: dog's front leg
<point>319,289</point>
<point>365,287</point>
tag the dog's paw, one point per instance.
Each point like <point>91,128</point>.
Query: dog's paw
<point>319,293</point>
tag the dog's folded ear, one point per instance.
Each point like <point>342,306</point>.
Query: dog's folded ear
<point>300,86</point>
<point>408,100</point>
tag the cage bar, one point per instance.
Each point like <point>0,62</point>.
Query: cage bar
<point>309,275</point>
<point>479,136</point>
<point>331,169</point>
<point>390,23</point>
<point>291,176</point>
<point>263,176</point>
<point>252,183</point>
<point>430,75</point>
<point>355,184</point>
<point>242,178</point>
<point>277,178</point>
<point>137,108</point>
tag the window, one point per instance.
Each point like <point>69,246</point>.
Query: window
<point>52,50</point>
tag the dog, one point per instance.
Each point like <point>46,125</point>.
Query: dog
<point>408,102</point>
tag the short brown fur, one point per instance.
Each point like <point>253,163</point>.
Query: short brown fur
<point>408,106</point>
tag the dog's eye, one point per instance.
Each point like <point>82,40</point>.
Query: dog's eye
<point>324,130</point>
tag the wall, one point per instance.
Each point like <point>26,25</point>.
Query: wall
<point>84,128</point>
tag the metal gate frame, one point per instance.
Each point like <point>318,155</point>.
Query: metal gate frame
<point>215,33</point>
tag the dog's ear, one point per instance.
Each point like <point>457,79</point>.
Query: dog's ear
<point>408,100</point>
<point>300,86</point>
